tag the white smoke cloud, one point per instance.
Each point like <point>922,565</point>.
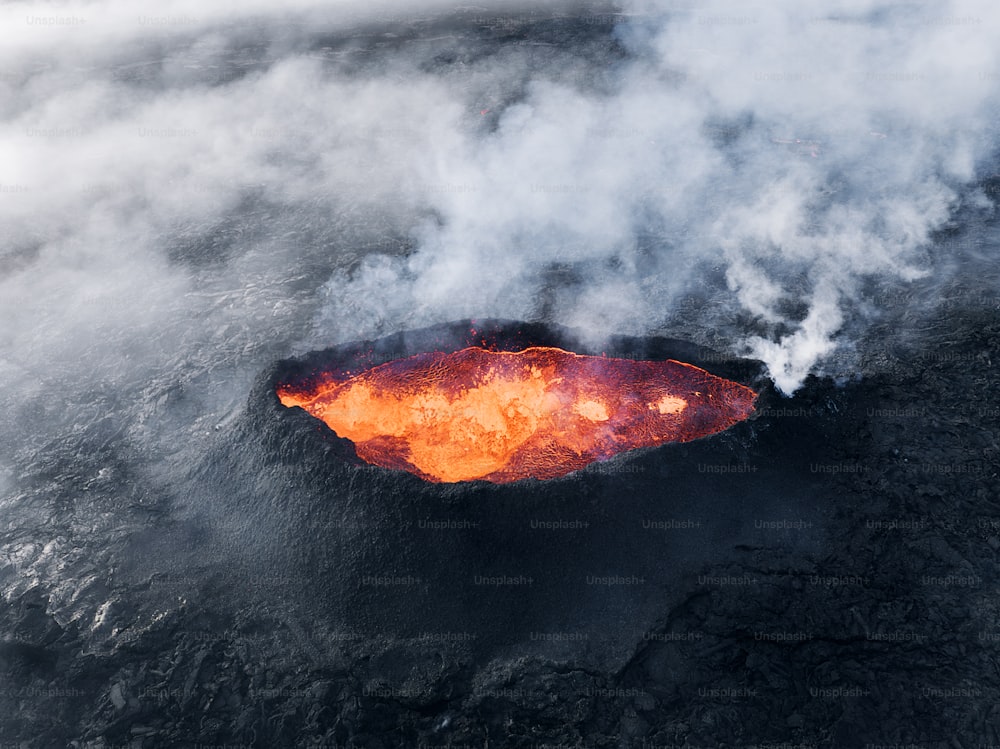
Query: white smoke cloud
<point>178,181</point>
<point>851,131</point>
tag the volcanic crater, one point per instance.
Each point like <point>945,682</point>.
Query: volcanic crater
<point>500,401</point>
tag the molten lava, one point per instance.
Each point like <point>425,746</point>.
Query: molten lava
<point>502,416</point>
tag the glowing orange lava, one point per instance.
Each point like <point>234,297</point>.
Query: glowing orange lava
<point>503,416</point>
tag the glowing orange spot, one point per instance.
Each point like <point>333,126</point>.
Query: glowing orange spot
<point>504,416</point>
<point>670,404</point>
<point>593,410</point>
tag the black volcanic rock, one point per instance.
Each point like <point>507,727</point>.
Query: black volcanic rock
<point>817,575</point>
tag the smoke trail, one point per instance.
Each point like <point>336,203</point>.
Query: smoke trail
<point>177,186</point>
<point>800,153</point>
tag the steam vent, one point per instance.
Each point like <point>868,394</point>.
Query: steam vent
<point>486,412</point>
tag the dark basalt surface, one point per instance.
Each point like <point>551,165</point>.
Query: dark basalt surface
<point>805,577</point>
